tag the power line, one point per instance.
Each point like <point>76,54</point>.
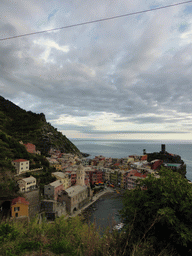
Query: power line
<point>94,21</point>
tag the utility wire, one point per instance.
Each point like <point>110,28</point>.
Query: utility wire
<point>94,21</point>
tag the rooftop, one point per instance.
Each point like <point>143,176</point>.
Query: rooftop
<point>74,190</point>
<point>21,200</point>
<point>59,174</point>
<point>20,160</point>
<point>31,178</point>
<point>56,183</point>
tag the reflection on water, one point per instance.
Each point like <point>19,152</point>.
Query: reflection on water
<point>105,211</point>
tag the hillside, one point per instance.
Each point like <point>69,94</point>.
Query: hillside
<point>168,158</point>
<point>30,127</point>
<point>18,125</point>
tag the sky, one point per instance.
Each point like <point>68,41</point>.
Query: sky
<point>125,78</point>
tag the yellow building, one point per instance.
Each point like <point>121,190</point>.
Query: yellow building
<point>19,207</point>
<point>64,178</point>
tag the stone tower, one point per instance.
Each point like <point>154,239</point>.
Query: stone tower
<point>163,148</point>
<point>80,178</point>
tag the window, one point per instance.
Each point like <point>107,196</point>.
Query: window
<point>16,214</point>
<point>21,163</point>
<point>16,209</point>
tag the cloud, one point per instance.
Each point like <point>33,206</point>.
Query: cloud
<point>128,74</point>
<point>52,14</point>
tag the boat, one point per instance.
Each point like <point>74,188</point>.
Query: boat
<point>118,226</point>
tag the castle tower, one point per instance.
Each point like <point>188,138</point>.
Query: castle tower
<point>163,148</point>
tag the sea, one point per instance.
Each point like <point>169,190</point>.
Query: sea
<point>124,148</point>
<point>105,212</point>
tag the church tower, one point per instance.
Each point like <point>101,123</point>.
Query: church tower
<point>80,178</point>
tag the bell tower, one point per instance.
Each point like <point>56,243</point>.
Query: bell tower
<point>80,178</point>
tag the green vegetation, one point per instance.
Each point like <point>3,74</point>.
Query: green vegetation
<point>11,149</point>
<point>43,177</point>
<point>160,214</point>
<point>158,221</point>
<point>17,125</point>
<point>168,158</point>
<point>30,127</point>
<point>64,237</point>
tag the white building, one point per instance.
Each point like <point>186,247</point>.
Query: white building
<point>21,165</point>
<point>27,184</point>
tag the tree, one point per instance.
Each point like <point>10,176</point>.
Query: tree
<point>161,213</point>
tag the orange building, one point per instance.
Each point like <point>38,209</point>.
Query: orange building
<point>19,207</point>
<point>144,158</point>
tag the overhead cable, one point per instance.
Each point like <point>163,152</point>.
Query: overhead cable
<point>94,21</point>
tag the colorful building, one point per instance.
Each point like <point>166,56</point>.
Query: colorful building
<point>64,177</point>
<point>31,148</point>
<point>53,190</point>
<point>19,207</point>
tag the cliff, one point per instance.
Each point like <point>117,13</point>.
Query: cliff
<point>27,126</point>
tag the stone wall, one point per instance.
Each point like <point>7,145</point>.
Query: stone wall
<point>34,202</point>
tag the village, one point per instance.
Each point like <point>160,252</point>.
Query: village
<point>77,181</point>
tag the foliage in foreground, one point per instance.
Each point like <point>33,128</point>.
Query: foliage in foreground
<point>158,221</point>
<point>69,237</point>
<point>162,213</point>
<point>64,237</point>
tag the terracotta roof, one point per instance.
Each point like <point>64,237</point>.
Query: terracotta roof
<point>144,157</point>
<point>29,144</point>
<point>21,200</point>
<point>140,175</point>
<point>20,160</point>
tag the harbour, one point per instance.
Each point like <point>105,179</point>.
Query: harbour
<point>104,212</point>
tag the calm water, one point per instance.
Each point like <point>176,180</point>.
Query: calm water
<point>105,211</point>
<point>120,149</point>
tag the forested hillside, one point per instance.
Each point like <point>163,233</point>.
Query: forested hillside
<point>18,125</point>
<point>30,127</point>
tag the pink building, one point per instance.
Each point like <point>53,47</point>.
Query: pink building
<point>31,148</point>
<point>53,190</point>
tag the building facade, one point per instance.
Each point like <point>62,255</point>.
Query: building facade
<point>53,209</point>
<point>27,184</point>
<point>21,165</point>
<point>75,198</point>
<point>52,190</point>
<point>64,178</point>
<point>19,207</point>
